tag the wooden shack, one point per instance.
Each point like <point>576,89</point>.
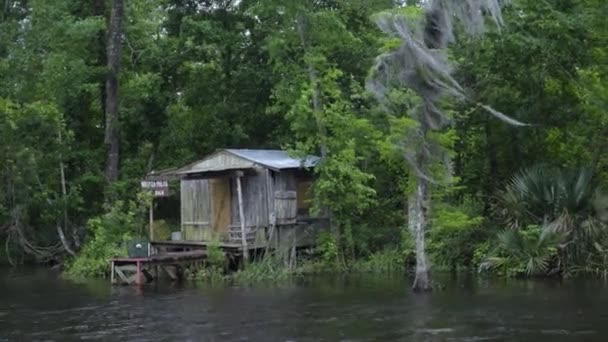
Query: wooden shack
<point>253,198</point>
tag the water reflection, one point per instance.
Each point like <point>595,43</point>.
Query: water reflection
<point>37,305</point>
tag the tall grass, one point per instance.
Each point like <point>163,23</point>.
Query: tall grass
<point>385,261</point>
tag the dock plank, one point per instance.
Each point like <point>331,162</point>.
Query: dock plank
<point>203,245</point>
<point>167,257</point>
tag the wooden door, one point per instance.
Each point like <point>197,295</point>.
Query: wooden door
<point>220,205</point>
<point>196,211</point>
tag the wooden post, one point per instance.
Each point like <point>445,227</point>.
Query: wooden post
<point>112,279</point>
<point>152,220</point>
<point>138,275</point>
<point>239,191</point>
<point>270,204</point>
<point>293,258</point>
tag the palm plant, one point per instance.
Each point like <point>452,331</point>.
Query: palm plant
<point>561,202</point>
<point>530,251</point>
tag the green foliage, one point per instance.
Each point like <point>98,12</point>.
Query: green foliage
<point>340,135</point>
<point>481,253</point>
<point>561,201</point>
<point>215,256</point>
<point>34,141</point>
<point>108,234</point>
<point>213,269</point>
<point>542,192</point>
<point>163,230</point>
<point>386,261</point>
<point>270,268</point>
<point>531,251</point>
<point>457,231</point>
<point>328,249</point>
<point>200,75</point>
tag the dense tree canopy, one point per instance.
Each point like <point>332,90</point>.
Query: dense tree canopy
<point>197,75</point>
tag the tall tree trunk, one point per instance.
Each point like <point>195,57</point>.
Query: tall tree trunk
<point>417,221</point>
<point>317,105</point>
<point>112,134</point>
<point>64,194</point>
<point>492,176</point>
<point>418,203</point>
<point>99,10</point>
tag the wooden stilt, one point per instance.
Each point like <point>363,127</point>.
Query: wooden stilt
<point>123,278</point>
<point>152,220</point>
<point>112,279</point>
<point>271,213</point>
<point>293,248</point>
<point>170,272</point>
<point>239,191</point>
<point>138,275</point>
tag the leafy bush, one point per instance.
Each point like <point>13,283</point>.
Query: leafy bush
<point>213,269</point>
<point>328,248</point>
<point>162,230</point>
<point>215,256</point>
<point>481,253</point>
<point>531,251</point>
<point>107,236</point>
<point>456,232</point>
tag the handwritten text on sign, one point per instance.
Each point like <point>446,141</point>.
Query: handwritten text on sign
<point>158,188</point>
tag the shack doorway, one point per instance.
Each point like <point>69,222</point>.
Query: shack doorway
<point>220,205</point>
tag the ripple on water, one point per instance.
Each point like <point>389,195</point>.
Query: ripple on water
<point>332,311</point>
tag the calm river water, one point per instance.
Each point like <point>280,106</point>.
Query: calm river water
<point>38,306</point>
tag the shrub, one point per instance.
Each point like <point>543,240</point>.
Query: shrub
<point>213,269</point>
<point>108,234</point>
<point>456,232</point>
<point>328,248</point>
<point>526,252</point>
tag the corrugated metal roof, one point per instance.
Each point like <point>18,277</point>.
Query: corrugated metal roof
<point>234,159</point>
<point>219,161</point>
<point>275,159</point>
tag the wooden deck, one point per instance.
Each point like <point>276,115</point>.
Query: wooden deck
<point>173,246</point>
<point>171,258</point>
<point>142,270</point>
<point>168,258</point>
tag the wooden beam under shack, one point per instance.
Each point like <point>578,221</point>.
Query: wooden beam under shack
<point>239,191</point>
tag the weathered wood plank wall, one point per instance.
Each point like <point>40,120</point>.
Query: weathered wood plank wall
<point>196,209</point>
<point>220,205</point>
<point>255,204</point>
<point>284,181</point>
<point>209,207</point>
<point>286,209</point>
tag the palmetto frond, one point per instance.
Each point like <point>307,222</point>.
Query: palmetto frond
<point>562,202</point>
<point>555,197</point>
<point>533,248</point>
